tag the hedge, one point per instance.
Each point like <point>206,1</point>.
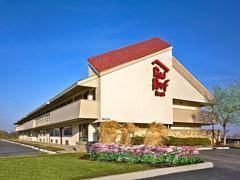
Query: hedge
<point>137,140</point>
<point>175,141</point>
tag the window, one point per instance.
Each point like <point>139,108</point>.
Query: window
<point>29,134</point>
<point>51,141</point>
<point>66,142</point>
<point>85,95</point>
<point>51,132</point>
<point>54,132</point>
<point>43,132</point>
<point>67,131</point>
<point>56,141</point>
<point>84,132</point>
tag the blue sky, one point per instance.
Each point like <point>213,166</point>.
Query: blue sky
<point>44,44</point>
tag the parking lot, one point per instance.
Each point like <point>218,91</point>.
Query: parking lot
<point>226,166</point>
<point>10,149</point>
<point>226,163</point>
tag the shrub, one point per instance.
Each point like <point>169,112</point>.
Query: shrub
<point>138,140</point>
<point>155,134</point>
<point>128,131</point>
<point>175,141</point>
<point>144,154</point>
<point>108,131</point>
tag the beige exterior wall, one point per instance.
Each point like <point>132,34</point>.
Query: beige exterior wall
<point>68,112</point>
<point>89,109</point>
<point>90,82</point>
<point>127,96</point>
<point>55,140</point>
<point>185,115</point>
<point>46,138</point>
<point>75,136</point>
<point>187,126</point>
<point>182,89</point>
<point>81,109</point>
<point>27,138</point>
<point>26,125</point>
<point>90,72</point>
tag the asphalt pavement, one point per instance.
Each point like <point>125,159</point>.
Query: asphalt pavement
<point>226,167</point>
<point>10,149</point>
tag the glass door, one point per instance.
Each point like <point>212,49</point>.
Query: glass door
<point>83,132</point>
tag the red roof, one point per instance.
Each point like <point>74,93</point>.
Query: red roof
<point>117,57</point>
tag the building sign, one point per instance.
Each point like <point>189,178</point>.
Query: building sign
<point>159,81</point>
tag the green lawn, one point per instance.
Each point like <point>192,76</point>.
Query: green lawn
<point>38,145</point>
<point>60,166</point>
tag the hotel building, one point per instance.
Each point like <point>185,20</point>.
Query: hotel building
<point>140,83</point>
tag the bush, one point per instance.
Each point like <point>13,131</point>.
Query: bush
<point>108,131</point>
<point>128,131</point>
<point>175,141</point>
<point>114,132</point>
<point>155,134</point>
<point>138,140</point>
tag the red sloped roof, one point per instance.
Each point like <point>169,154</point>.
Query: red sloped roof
<point>117,57</point>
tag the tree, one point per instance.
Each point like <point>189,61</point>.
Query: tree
<point>6,135</point>
<point>224,107</point>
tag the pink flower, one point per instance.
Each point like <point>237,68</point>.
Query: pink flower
<point>169,149</point>
<point>195,152</point>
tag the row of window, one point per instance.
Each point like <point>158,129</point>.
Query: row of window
<point>56,141</point>
<point>55,132</point>
<point>67,131</point>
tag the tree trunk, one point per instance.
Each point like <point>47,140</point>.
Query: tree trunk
<point>213,135</point>
<point>224,134</point>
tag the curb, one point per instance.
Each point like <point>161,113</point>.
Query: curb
<point>32,147</point>
<point>222,148</point>
<point>157,172</point>
<point>211,148</point>
<point>204,148</point>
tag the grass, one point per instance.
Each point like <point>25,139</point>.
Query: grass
<point>237,146</point>
<point>61,166</point>
<point>46,147</point>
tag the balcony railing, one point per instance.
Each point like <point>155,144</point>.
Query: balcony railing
<point>42,120</point>
<point>80,109</point>
<point>26,125</point>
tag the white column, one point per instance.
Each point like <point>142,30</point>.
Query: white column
<point>91,131</point>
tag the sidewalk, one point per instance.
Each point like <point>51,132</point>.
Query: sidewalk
<point>156,172</point>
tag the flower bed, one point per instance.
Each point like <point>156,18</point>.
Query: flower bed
<point>170,155</point>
